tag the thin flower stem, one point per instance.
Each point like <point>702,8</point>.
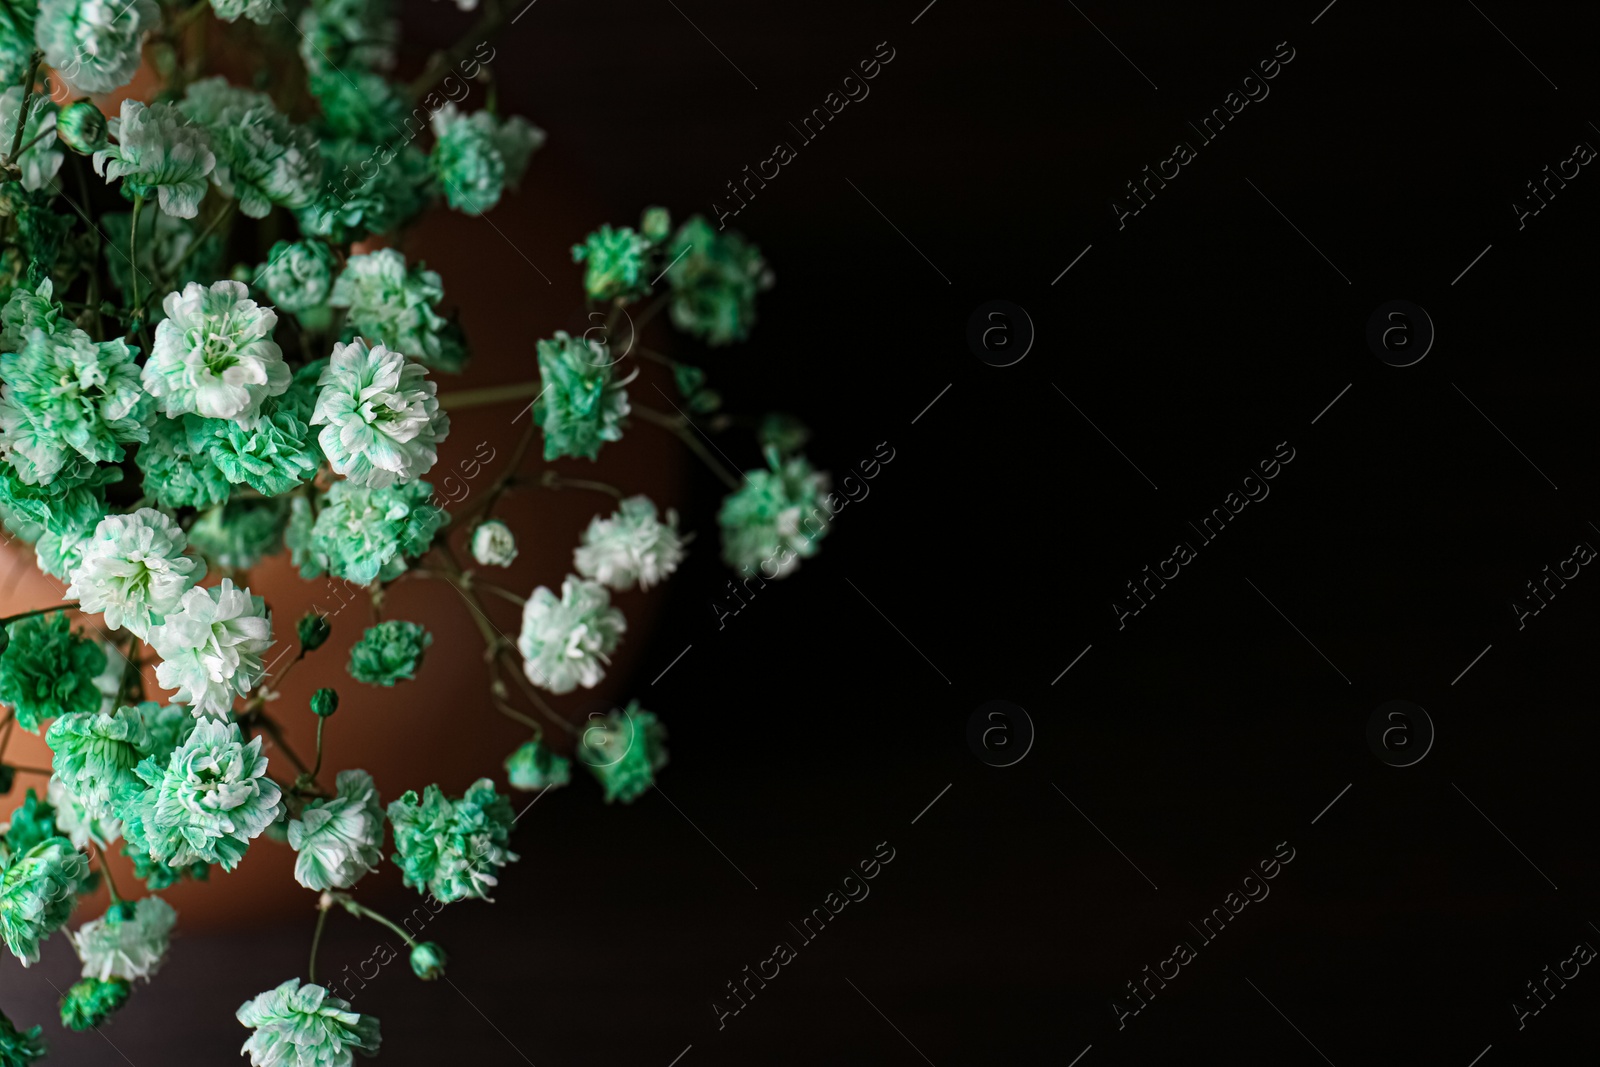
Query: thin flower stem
<point>64,606</point>
<point>686,435</point>
<point>27,98</point>
<point>503,593</point>
<point>553,480</point>
<point>47,772</point>
<point>5,737</point>
<point>316,940</point>
<point>650,311</point>
<point>361,911</point>
<point>494,394</point>
<point>133,254</point>
<point>321,722</point>
<point>35,139</point>
<point>486,502</point>
<point>441,63</point>
<point>183,21</point>
<point>171,283</point>
<point>111,885</point>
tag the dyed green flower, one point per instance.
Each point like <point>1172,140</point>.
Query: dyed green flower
<point>209,800</point>
<point>211,648</point>
<point>165,250</point>
<point>533,766</point>
<point>305,1026</point>
<point>242,533</point>
<point>74,822</point>
<point>59,550</point>
<point>129,941</point>
<point>632,546</point>
<point>39,162</point>
<point>214,355</point>
<point>616,263</point>
<point>624,751</point>
<point>18,1048</point>
<point>95,43</point>
<point>159,152</point>
<point>90,1002</point>
<point>262,158</point>
<point>82,127</point>
<point>339,35</point>
<point>364,535</point>
<point>366,188</point>
<point>380,417</point>
<point>297,275</point>
<point>360,104</point>
<point>278,453</point>
<point>38,888</point>
<point>783,432</point>
<point>581,406</point>
<point>655,223</point>
<point>714,285</point>
<point>134,570</point>
<point>16,49</point>
<point>33,822</point>
<point>467,161</point>
<point>27,310</point>
<point>67,397</point>
<point>324,702</point>
<point>338,841</point>
<point>565,641</point>
<point>95,753</point>
<point>428,960</point>
<point>493,544</point>
<point>389,652</point>
<point>775,518</point>
<point>391,305</point>
<point>257,11</point>
<point>47,670</point>
<point>452,848</point>
<point>177,475</point>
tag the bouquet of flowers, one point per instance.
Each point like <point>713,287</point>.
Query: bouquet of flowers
<point>214,349</point>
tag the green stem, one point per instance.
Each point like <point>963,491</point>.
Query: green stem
<point>35,139</point>
<point>361,911</point>
<point>494,394</point>
<point>504,594</point>
<point>321,722</point>
<point>64,606</point>
<point>486,502</point>
<point>111,886</point>
<point>552,480</point>
<point>443,62</point>
<point>27,98</point>
<point>172,279</point>
<point>316,939</point>
<point>133,255</point>
<point>650,311</point>
<point>684,434</point>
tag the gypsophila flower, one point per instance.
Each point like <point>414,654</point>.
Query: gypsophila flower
<point>533,766</point>
<point>95,753</point>
<point>134,570</point>
<point>159,152</point>
<point>257,11</point>
<point>364,535</point>
<point>389,652</point>
<point>128,941</point>
<point>467,161</point>
<point>95,43</point>
<point>211,647</point>
<point>515,138</point>
<point>381,420</point>
<point>581,406</point>
<point>297,275</point>
<point>391,305</point>
<point>493,544</point>
<point>177,475</point>
<point>565,641</point>
<point>615,263</point>
<point>89,1002</point>
<point>351,201</point>
<point>206,802</point>
<point>39,162</point>
<point>428,960</point>
<point>359,104</point>
<point>337,841</point>
<point>624,751</point>
<point>74,822</point>
<point>775,518</point>
<point>632,546</point>
<point>262,158</point>
<point>69,531</point>
<point>16,49</point>
<point>19,1048</point>
<point>66,504</point>
<point>168,248</point>
<point>47,670</point>
<point>338,35</point>
<point>27,310</point>
<point>276,454</point>
<point>452,848</point>
<point>714,284</point>
<point>214,354</point>
<point>305,1026</point>
<point>33,821</point>
<point>68,397</point>
<point>240,534</point>
<point>38,888</point>
<point>655,223</point>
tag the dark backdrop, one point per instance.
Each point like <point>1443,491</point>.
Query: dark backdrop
<point>1213,728</point>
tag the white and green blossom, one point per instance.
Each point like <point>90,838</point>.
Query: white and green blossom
<point>452,848</point>
<point>493,544</point>
<point>337,841</point>
<point>257,11</point>
<point>305,1026</point>
<point>129,941</point>
<point>134,570</point>
<point>381,420</point>
<point>95,43</point>
<point>214,354</point>
<point>76,824</point>
<point>391,304</point>
<point>159,152</point>
<point>41,160</point>
<point>297,275</point>
<point>211,647</point>
<point>262,158</point>
<point>38,887</point>
<point>632,546</point>
<point>565,641</point>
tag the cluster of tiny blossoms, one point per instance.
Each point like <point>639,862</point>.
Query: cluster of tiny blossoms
<point>174,409</point>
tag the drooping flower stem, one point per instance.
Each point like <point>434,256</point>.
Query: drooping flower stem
<point>677,428</point>
<point>105,870</point>
<point>486,502</point>
<point>171,282</point>
<point>64,606</point>
<point>361,911</point>
<point>503,594</point>
<point>552,480</point>
<point>316,936</point>
<point>494,394</point>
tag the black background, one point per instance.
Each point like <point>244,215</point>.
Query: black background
<point>817,723</point>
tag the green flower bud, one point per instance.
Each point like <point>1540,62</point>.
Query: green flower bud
<point>655,224</point>
<point>82,127</point>
<point>324,702</point>
<point>314,630</point>
<point>427,961</point>
<point>90,1002</point>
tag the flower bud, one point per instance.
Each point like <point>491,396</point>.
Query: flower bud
<point>654,224</point>
<point>427,961</point>
<point>82,127</point>
<point>313,631</point>
<point>493,544</point>
<point>324,702</point>
<point>90,1002</point>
